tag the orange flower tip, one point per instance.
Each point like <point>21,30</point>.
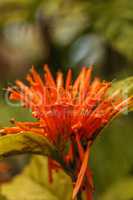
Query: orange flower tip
<point>104,121</point>
<point>14,95</point>
<point>83,68</point>
<point>2,131</point>
<point>10,90</point>
<point>91,66</point>
<point>59,80</point>
<point>17,81</point>
<point>32,68</point>
<point>77,126</point>
<point>68,78</point>
<point>34,114</point>
<point>46,67</point>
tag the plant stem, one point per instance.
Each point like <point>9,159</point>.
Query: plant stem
<point>79,196</point>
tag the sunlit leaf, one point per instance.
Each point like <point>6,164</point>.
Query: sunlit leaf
<point>61,182</point>
<point>33,184</point>
<point>125,86</point>
<point>24,188</point>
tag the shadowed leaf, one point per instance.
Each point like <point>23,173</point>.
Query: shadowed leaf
<point>123,190</point>
<point>26,143</point>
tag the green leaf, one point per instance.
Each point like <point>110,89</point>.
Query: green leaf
<point>26,143</point>
<point>122,190</point>
<point>125,86</point>
<point>2,197</point>
<point>33,184</point>
<point>61,181</point>
<point>24,188</point>
<point>114,153</point>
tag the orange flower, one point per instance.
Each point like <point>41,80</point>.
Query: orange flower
<point>68,113</point>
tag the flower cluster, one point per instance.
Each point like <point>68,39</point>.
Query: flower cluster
<point>70,115</point>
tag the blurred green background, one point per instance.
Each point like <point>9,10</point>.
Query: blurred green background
<point>66,34</point>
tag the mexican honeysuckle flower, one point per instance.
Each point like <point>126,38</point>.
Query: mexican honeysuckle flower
<point>70,114</point>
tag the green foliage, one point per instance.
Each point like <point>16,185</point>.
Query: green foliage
<point>123,190</point>
<point>113,20</point>
<point>8,112</point>
<point>125,86</point>
<point>112,153</point>
<point>2,197</point>
<point>33,184</point>
<point>26,143</point>
<point>110,19</point>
